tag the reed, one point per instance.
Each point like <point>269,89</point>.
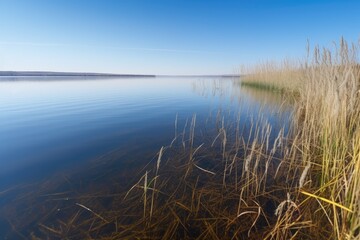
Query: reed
<point>326,122</point>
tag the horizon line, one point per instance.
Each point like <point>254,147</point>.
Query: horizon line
<point>95,74</point>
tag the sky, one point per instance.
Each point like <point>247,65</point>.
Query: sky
<point>166,36</point>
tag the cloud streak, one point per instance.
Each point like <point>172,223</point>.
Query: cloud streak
<point>169,50</point>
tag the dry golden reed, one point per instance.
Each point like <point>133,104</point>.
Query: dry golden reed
<point>326,87</point>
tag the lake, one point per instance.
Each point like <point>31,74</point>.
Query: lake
<point>78,136</point>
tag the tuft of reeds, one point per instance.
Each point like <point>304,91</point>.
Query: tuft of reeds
<point>327,125</point>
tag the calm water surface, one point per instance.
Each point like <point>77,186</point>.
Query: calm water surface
<point>49,127</point>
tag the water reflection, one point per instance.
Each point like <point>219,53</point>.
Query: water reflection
<point>270,98</point>
<point>64,141</point>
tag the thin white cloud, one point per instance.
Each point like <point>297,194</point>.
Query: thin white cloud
<point>33,44</point>
<point>38,44</point>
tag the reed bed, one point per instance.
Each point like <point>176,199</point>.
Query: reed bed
<point>326,133</point>
<point>283,77</point>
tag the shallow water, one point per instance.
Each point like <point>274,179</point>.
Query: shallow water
<point>55,127</point>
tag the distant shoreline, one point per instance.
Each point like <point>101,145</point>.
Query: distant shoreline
<point>65,74</point>
<point>83,74</point>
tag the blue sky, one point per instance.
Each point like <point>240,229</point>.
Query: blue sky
<point>166,36</point>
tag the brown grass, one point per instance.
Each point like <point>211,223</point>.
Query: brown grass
<point>326,128</point>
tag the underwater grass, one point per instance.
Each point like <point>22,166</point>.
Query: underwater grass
<point>199,187</point>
